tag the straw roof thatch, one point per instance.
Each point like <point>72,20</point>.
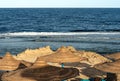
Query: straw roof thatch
<point>39,63</point>
<point>8,62</point>
<point>113,67</point>
<point>71,48</point>
<point>93,58</point>
<point>62,55</point>
<point>86,71</point>
<point>28,64</point>
<point>40,71</point>
<point>30,55</point>
<point>92,72</point>
<point>114,56</point>
<point>0,57</point>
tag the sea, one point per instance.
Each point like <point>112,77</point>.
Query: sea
<point>90,29</point>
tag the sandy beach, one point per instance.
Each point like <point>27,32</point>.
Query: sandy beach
<point>77,40</point>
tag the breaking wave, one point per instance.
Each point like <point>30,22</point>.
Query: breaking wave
<point>56,33</point>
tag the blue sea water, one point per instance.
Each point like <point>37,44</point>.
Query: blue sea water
<point>92,29</point>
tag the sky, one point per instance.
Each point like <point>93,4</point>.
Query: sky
<point>60,3</point>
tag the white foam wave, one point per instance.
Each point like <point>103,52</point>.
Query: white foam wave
<point>56,33</point>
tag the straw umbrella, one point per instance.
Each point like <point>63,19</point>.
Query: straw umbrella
<point>93,72</point>
<point>86,71</point>
<point>112,67</point>
<point>0,57</point>
<point>30,55</point>
<point>62,55</point>
<point>39,63</point>
<point>93,58</point>
<point>41,71</point>
<point>28,64</point>
<point>114,56</point>
<point>8,63</point>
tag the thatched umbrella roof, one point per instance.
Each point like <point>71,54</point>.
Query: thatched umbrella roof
<point>93,58</point>
<point>71,48</point>
<point>93,72</point>
<point>8,62</point>
<point>62,55</point>
<point>41,71</point>
<point>24,64</point>
<point>0,57</point>
<point>39,63</point>
<point>113,67</point>
<point>86,71</point>
<point>114,56</point>
<point>28,64</point>
<point>30,55</point>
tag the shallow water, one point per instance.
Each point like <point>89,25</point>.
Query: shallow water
<point>99,42</point>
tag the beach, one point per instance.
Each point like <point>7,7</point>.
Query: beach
<point>55,44</point>
<point>65,63</point>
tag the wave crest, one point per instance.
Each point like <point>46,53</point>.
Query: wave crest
<point>56,33</point>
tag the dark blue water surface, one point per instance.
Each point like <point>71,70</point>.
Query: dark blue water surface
<point>92,29</point>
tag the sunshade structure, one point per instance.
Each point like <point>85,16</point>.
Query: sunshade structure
<point>93,72</point>
<point>8,62</point>
<point>0,57</point>
<point>39,63</point>
<point>41,71</point>
<point>114,56</point>
<point>86,71</point>
<point>28,64</point>
<point>24,64</point>
<point>71,48</point>
<point>93,58</point>
<point>112,67</point>
<point>30,55</point>
<point>62,55</point>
